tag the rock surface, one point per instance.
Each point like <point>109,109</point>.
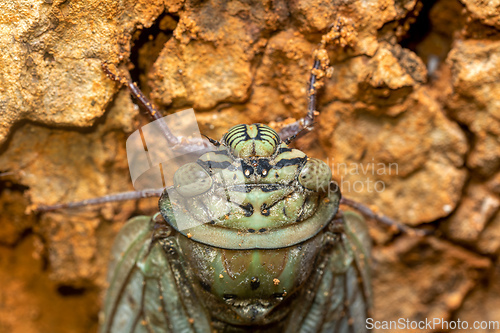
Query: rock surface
<point>409,123</point>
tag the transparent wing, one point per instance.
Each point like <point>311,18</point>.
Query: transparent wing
<point>149,290</point>
<point>338,298</point>
<point>359,243</point>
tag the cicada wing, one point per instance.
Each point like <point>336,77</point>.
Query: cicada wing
<point>359,242</point>
<point>337,299</point>
<point>351,313</point>
<point>131,239</point>
<point>143,295</point>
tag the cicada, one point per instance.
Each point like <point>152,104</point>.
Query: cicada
<point>268,251</point>
<point>249,238</point>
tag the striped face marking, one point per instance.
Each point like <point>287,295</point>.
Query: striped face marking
<point>254,140</point>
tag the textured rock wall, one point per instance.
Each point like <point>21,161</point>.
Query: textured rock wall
<point>417,87</point>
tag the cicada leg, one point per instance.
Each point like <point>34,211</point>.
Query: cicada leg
<point>150,290</point>
<point>291,131</point>
<point>318,71</point>
<point>385,220</point>
<point>338,297</point>
<point>123,196</point>
<point>178,144</point>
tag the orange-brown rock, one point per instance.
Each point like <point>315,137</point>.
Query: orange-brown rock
<point>409,122</point>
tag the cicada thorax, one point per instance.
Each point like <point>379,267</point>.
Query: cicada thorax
<point>250,218</point>
<point>243,287</point>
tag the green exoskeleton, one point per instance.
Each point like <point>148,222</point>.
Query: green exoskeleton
<point>265,249</point>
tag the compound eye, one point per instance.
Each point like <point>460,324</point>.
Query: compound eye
<point>315,175</point>
<point>191,180</point>
<point>257,140</point>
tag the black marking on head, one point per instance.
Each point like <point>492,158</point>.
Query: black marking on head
<point>290,161</point>
<point>237,132</point>
<point>267,134</point>
<point>247,188</point>
<point>241,128</point>
<point>247,169</point>
<point>254,283</point>
<point>270,187</point>
<point>264,210</point>
<point>241,135</point>
<point>263,164</point>
<point>284,150</point>
<point>248,208</point>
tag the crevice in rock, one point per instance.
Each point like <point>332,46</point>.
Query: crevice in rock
<point>432,33</point>
<point>420,29</point>
<point>146,47</point>
<point>8,183</point>
<point>67,290</point>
